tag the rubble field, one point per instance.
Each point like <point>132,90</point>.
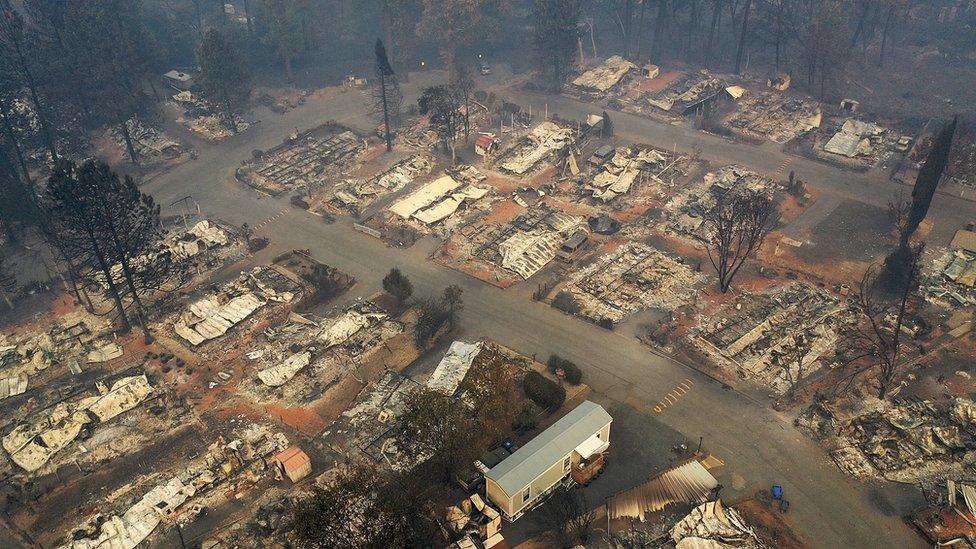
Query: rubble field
<point>203,118</point>
<point>355,195</point>
<point>758,335</point>
<point>301,360</point>
<point>435,207</point>
<point>630,278</point>
<point>625,177</point>
<point>910,440</point>
<point>307,161</point>
<point>604,78</point>
<point>685,211</point>
<point>527,154</point>
<point>773,116</point>
<point>151,144</point>
<point>857,143</point>
<point>504,249</point>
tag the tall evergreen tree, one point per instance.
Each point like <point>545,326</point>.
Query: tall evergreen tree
<point>223,80</point>
<point>555,37</point>
<point>107,37</point>
<point>14,54</point>
<point>75,207</point>
<point>109,224</point>
<point>928,180</point>
<point>386,93</point>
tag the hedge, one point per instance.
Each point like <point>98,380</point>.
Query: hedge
<point>543,391</point>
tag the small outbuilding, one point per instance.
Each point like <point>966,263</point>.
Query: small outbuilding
<point>293,463</point>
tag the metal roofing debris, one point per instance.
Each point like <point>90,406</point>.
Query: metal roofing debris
<point>545,139</point>
<point>687,483</point>
<point>450,371</point>
<point>606,75</point>
<point>527,253</point>
<point>735,92</point>
<point>686,92</point>
<point>213,320</point>
<point>909,441</point>
<point>31,445</point>
<point>964,240</point>
<point>105,352</point>
<point>348,324</point>
<point>424,196</point>
<point>280,374</point>
<point>711,524</point>
<point>13,386</point>
<point>549,447</point>
<point>135,525</point>
<point>527,250</point>
<point>449,204</point>
<point>307,161</point>
<point>774,116</point>
<point>128,529</point>
<point>756,330</point>
<point>853,138</point>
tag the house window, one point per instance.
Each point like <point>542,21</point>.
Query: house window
<point>525,495</point>
<point>566,464</point>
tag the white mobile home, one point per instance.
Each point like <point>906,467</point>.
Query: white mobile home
<point>516,483</point>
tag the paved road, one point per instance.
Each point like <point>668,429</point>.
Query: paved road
<point>757,443</point>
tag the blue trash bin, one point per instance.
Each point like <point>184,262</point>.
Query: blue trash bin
<point>777,491</point>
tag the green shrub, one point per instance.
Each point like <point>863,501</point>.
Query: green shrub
<point>543,391</point>
<point>570,370</point>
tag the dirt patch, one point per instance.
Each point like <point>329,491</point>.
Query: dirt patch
<point>770,525</point>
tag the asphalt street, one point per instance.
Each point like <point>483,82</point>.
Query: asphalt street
<point>756,443</point>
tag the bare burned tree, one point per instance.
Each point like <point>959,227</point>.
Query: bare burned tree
<point>876,337</point>
<point>735,229</point>
<point>569,517</point>
<point>793,361</point>
<point>463,86</point>
<point>387,98</point>
<point>898,210</point>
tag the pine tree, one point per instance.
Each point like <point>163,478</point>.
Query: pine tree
<point>398,285</point>
<point>107,37</point>
<point>555,37</point>
<point>106,223</point>
<point>223,80</point>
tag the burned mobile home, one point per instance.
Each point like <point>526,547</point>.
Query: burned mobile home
<point>321,353</point>
<point>226,470</point>
<point>616,172</point>
<point>603,78</point>
<point>768,337</point>
<point>912,440</point>
<point>543,142</point>
<point>687,209</point>
<point>687,94</point>
<point>628,279</point>
<point>307,161</point>
<point>772,116</point>
<point>521,246</point>
<point>355,195</point>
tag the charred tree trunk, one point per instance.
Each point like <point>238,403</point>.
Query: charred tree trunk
<point>133,155</point>
<point>884,35</point>
<point>386,113</point>
<point>716,23</point>
<point>742,37</point>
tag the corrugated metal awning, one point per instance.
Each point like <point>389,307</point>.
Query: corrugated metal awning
<point>688,483</point>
